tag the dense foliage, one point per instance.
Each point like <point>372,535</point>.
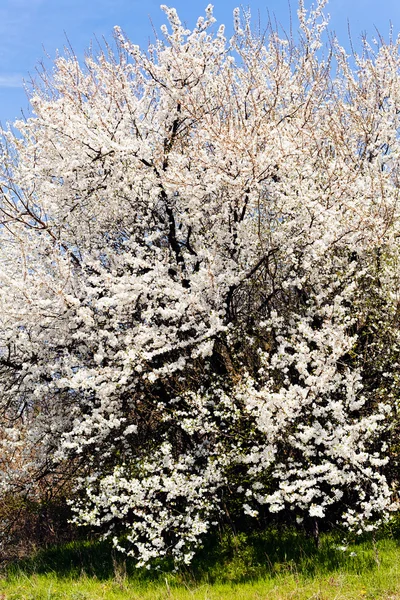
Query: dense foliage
<point>199,284</point>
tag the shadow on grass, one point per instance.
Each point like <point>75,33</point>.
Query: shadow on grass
<point>227,558</point>
<point>271,553</point>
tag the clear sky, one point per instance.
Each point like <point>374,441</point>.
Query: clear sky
<point>32,29</point>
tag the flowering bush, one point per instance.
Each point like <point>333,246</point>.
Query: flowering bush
<point>199,283</point>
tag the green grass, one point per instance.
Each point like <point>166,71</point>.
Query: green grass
<point>270,565</point>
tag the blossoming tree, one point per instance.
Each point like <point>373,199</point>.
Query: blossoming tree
<point>199,283</point>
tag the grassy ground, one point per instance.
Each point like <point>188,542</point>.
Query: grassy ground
<point>271,565</point>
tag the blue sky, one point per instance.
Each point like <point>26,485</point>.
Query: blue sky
<point>32,29</point>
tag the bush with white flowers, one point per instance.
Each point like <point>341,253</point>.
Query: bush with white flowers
<point>199,288</point>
